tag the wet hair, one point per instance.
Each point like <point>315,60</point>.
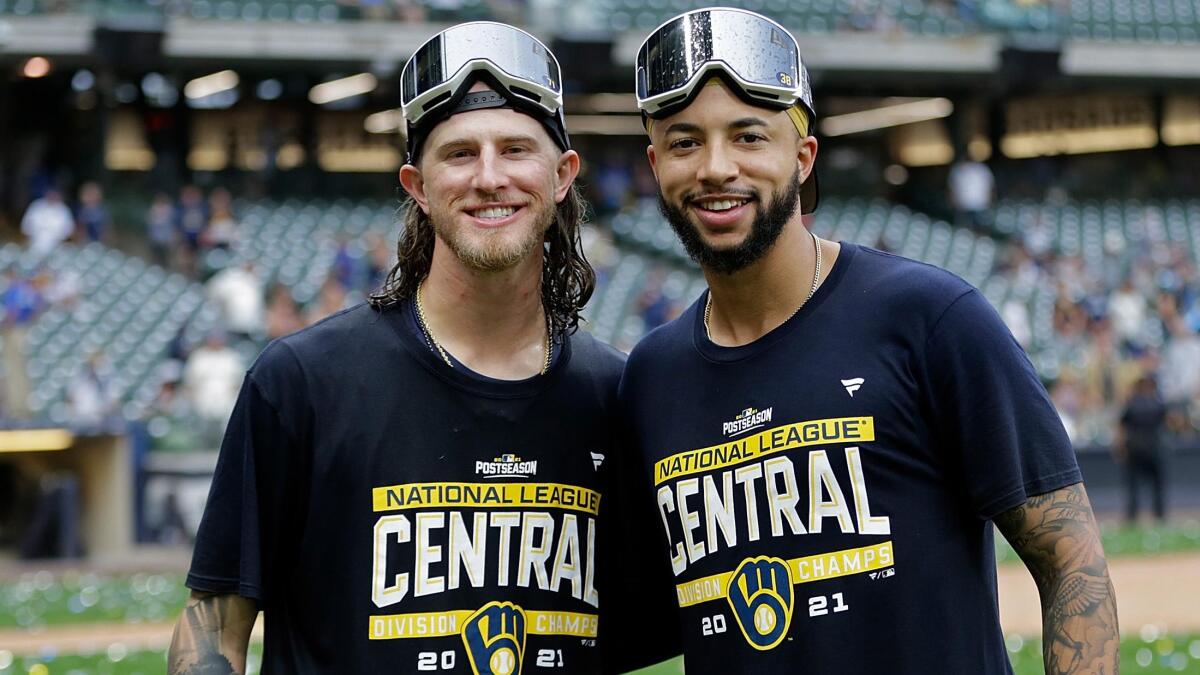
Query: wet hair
<point>567,277</point>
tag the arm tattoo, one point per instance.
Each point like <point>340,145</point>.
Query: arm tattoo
<point>212,635</point>
<point>1056,535</point>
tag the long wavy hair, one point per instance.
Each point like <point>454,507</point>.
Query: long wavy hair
<point>567,277</point>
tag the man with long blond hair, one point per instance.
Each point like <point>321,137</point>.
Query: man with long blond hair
<point>425,482</point>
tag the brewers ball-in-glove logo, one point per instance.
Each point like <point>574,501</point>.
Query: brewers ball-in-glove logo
<point>495,639</point>
<point>760,593</point>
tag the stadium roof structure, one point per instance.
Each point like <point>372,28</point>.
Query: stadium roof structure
<point>1135,39</point>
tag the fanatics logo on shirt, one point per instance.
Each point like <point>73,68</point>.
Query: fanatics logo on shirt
<point>853,384</point>
<point>507,465</point>
<point>746,420</point>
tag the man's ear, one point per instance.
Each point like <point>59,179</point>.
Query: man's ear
<point>653,160</point>
<point>414,185</point>
<point>806,156</point>
<point>567,170</point>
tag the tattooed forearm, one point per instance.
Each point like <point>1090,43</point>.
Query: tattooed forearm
<point>212,635</point>
<point>1056,535</point>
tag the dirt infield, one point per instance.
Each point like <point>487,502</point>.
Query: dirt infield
<point>1163,591</point>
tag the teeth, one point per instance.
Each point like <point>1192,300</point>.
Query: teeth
<point>495,212</point>
<point>723,204</point>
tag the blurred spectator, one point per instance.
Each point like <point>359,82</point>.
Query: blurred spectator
<point>22,303</point>
<point>54,528</point>
<point>1016,315</point>
<point>654,307</point>
<point>860,16</point>
<point>238,291</point>
<point>90,394</point>
<point>59,290</point>
<point>191,217</point>
<point>160,229</point>
<point>1128,308</point>
<point>971,190</point>
<point>168,402</point>
<point>47,223</point>
<point>380,260</point>
<point>410,11</point>
<point>1139,448</point>
<point>348,265</point>
<point>212,377</point>
<point>601,250</point>
<point>1180,369</point>
<point>92,215</point>
<point>283,316</point>
<point>171,528</point>
<point>331,300</point>
<point>614,183</point>
<point>221,231</point>
<point>1064,392</point>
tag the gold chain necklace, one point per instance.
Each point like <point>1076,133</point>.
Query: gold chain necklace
<point>437,346</point>
<point>815,282</point>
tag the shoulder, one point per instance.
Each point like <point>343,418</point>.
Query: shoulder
<point>896,288</point>
<point>897,275</point>
<point>596,354</point>
<point>326,346</point>
<point>595,362</point>
<point>665,348</point>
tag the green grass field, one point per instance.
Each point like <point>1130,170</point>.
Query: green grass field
<point>1122,541</point>
<point>45,600</point>
<point>1158,655</point>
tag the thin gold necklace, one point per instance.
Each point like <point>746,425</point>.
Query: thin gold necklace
<point>815,282</point>
<point>437,346</point>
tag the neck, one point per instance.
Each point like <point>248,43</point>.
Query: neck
<point>492,322</point>
<point>753,301</point>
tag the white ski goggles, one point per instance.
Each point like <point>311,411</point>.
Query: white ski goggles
<point>522,69</point>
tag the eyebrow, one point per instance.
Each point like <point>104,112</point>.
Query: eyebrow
<point>689,128</point>
<point>455,143</point>
<point>519,138</point>
<point>682,128</point>
<point>747,122</point>
<point>451,144</point>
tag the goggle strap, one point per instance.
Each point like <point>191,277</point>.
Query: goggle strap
<point>554,124</point>
<point>478,101</point>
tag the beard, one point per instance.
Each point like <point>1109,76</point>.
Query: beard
<point>493,250</point>
<point>764,231</point>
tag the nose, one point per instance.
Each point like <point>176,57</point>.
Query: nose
<point>716,166</point>
<point>490,175</point>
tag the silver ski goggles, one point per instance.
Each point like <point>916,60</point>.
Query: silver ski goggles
<point>757,57</point>
<point>522,71</point>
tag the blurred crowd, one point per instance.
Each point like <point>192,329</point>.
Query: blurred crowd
<point>1134,316</point>
<point>251,310</point>
<point>196,235</point>
<point>1137,314</point>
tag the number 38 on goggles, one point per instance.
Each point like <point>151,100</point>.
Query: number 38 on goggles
<point>755,56</point>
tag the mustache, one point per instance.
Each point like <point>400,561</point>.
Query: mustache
<point>690,197</point>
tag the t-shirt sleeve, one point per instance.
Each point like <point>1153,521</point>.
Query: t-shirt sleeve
<point>994,417</point>
<point>242,534</point>
<point>644,609</point>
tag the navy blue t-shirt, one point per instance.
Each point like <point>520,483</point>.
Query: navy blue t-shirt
<point>391,513</point>
<point>825,491</point>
